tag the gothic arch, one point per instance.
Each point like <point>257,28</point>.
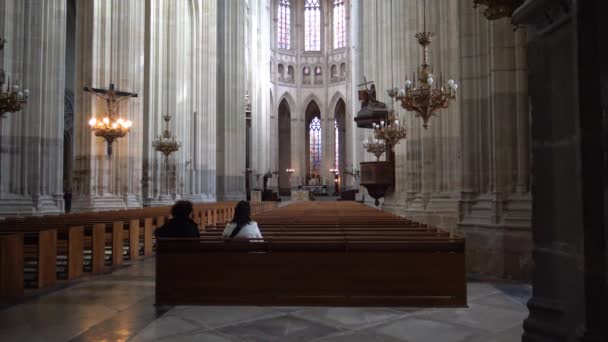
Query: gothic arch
<point>312,110</point>
<point>284,114</point>
<point>334,101</point>
<point>307,101</point>
<point>287,96</point>
<point>339,151</point>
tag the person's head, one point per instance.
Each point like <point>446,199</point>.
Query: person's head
<point>181,210</point>
<point>242,213</point>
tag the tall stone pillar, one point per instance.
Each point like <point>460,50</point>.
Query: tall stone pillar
<point>231,101</point>
<point>568,82</point>
<point>427,162</point>
<point>259,59</point>
<point>31,141</point>
<point>110,49</point>
<point>495,201</point>
<point>180,81</point>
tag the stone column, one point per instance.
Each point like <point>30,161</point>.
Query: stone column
<point>261,110</point>
<point>180,78</point>
<point>567,51</point>
<point>31,142</point>
<point>231,101</point>
<point>110,48</point>
<point>494,211</point>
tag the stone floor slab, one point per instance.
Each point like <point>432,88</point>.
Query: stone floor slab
<point>166,327</point>
<point>413,329</point>
<point>348,318</point>
<point>219,316</point>
<point>477,316</point>
<point>283,328</point>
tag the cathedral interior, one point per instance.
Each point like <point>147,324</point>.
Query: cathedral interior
<point>486,120</point>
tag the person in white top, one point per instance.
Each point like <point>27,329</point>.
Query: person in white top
<point>242,226</point>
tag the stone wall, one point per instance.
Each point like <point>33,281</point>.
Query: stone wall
<point>181,59</point>
<point>469,171</point>
<point>231,88</point>
<point>31,141</point>
<point>569,100</point>
<point>324,90</point>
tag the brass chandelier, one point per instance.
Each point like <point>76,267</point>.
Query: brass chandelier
<point>111,127</point>
<point>166,142</point>
<point>374,146</point>
<point>497,9</point>
<point>392,131</point>
<point>425,94</point>
<point>12,99</point>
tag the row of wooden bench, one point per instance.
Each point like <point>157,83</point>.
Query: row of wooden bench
<point>35,252</point>
<point>319,254</point>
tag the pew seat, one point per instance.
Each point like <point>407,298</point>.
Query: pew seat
<point>311,272</point>
<point>316,254</point>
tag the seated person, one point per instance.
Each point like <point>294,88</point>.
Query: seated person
<point>242,226</point>
<point>181,225</point>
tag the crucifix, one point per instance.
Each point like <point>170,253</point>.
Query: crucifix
<point>367,95</point>
<point>365,83</point>
<point>111,96</point>
<point>110,128</point>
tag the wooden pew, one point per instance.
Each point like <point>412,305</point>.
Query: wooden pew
<point>39,261</point>
<point>40,250</point>
<point>311,272</point>
<point>11,266</point>
<point>317,254</point>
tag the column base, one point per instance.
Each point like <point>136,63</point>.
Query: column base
<point>12,205</point>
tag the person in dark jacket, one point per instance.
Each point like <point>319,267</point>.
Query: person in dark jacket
<point>181,225</point>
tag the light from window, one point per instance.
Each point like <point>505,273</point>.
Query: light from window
<point>339,19</point>
<point>337,161</point>
<point>312,25</point>
<point>315,147</point>
<point>284,25</point>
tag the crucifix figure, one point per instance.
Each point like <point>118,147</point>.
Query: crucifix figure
<point>111,96</point>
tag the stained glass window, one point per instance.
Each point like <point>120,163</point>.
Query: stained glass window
<point>339,29</point>
<point>284,25</point>
<point>315,146</point>
<point>312,25</point>
<point>337,161</point>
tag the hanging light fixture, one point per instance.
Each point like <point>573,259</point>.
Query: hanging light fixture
<point>497,9</point>
<point>391,131</point>
<point>374,146</point>
<point>166,143</point>
<point>12,99</point>
<point>111,127</point>
<point>425,94</point>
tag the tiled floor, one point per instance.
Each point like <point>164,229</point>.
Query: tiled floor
<point>120,307</point>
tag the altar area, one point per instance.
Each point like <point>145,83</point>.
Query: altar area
<point>314,189</point>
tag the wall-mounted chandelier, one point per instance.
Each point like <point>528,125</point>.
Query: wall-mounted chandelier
<point>110,127</point>
<point>374,146</point>
<point>425,94</point>
<point>391,131</point>
<point>497,9</point>
<point>166,143</point>
<point>12,99</point>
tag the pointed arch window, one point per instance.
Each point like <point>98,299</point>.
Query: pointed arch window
<point>284,25</point>
<point>312,25</point>
<point>315,146</point>
<point>339,24</point>
<point>337,146</point>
